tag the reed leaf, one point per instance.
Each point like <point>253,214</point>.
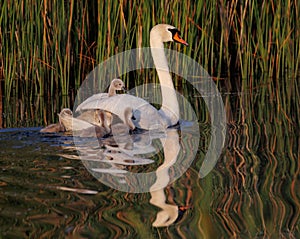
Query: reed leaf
<point>48,48</point>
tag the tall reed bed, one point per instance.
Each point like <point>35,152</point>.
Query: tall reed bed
<point>48,47</point>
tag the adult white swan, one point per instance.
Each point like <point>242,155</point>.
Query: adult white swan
<point>145,116</point>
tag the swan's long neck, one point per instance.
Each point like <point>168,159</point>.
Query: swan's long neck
<point>170,108</point>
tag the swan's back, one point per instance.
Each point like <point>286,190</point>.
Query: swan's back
<point>145,116</point>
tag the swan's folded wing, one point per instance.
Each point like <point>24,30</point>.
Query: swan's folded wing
<point>145,116</point>
<point>85,104</point>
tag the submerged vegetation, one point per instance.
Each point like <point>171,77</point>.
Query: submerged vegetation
<point>48,47</point>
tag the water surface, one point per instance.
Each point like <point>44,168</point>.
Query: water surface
<point>46,191</point>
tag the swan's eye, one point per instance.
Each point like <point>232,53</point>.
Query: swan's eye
<point>174,31</point>
<point>176,36</point>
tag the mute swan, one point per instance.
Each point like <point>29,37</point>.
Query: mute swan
<point>81,127</point>
<point>145,115</point>
<point>95,121</point>
<point>70,123</point>
<point>123,128</point>
<point>92,116</point>
<point>116,84</point>
<point>120,131</point>
<point>95,130</point>
<point>66,123</point>
<point>53,128</point>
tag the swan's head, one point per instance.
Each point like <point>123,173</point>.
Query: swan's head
<point>166,33</point>
<point>117,84</point>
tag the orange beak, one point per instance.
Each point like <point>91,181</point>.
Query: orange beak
<point>177,38</point>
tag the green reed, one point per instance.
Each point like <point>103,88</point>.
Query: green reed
<point>49,47</point>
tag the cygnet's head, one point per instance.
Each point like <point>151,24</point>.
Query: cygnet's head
<point>117,84</point>
<point>66,112</point>
<point>167,33</point>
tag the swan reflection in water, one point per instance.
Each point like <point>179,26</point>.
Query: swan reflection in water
<point>143,162</point>
<point>149,161</point>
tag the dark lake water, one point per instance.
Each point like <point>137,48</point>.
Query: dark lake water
<point>48,191</point>
<point>54,186</point>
